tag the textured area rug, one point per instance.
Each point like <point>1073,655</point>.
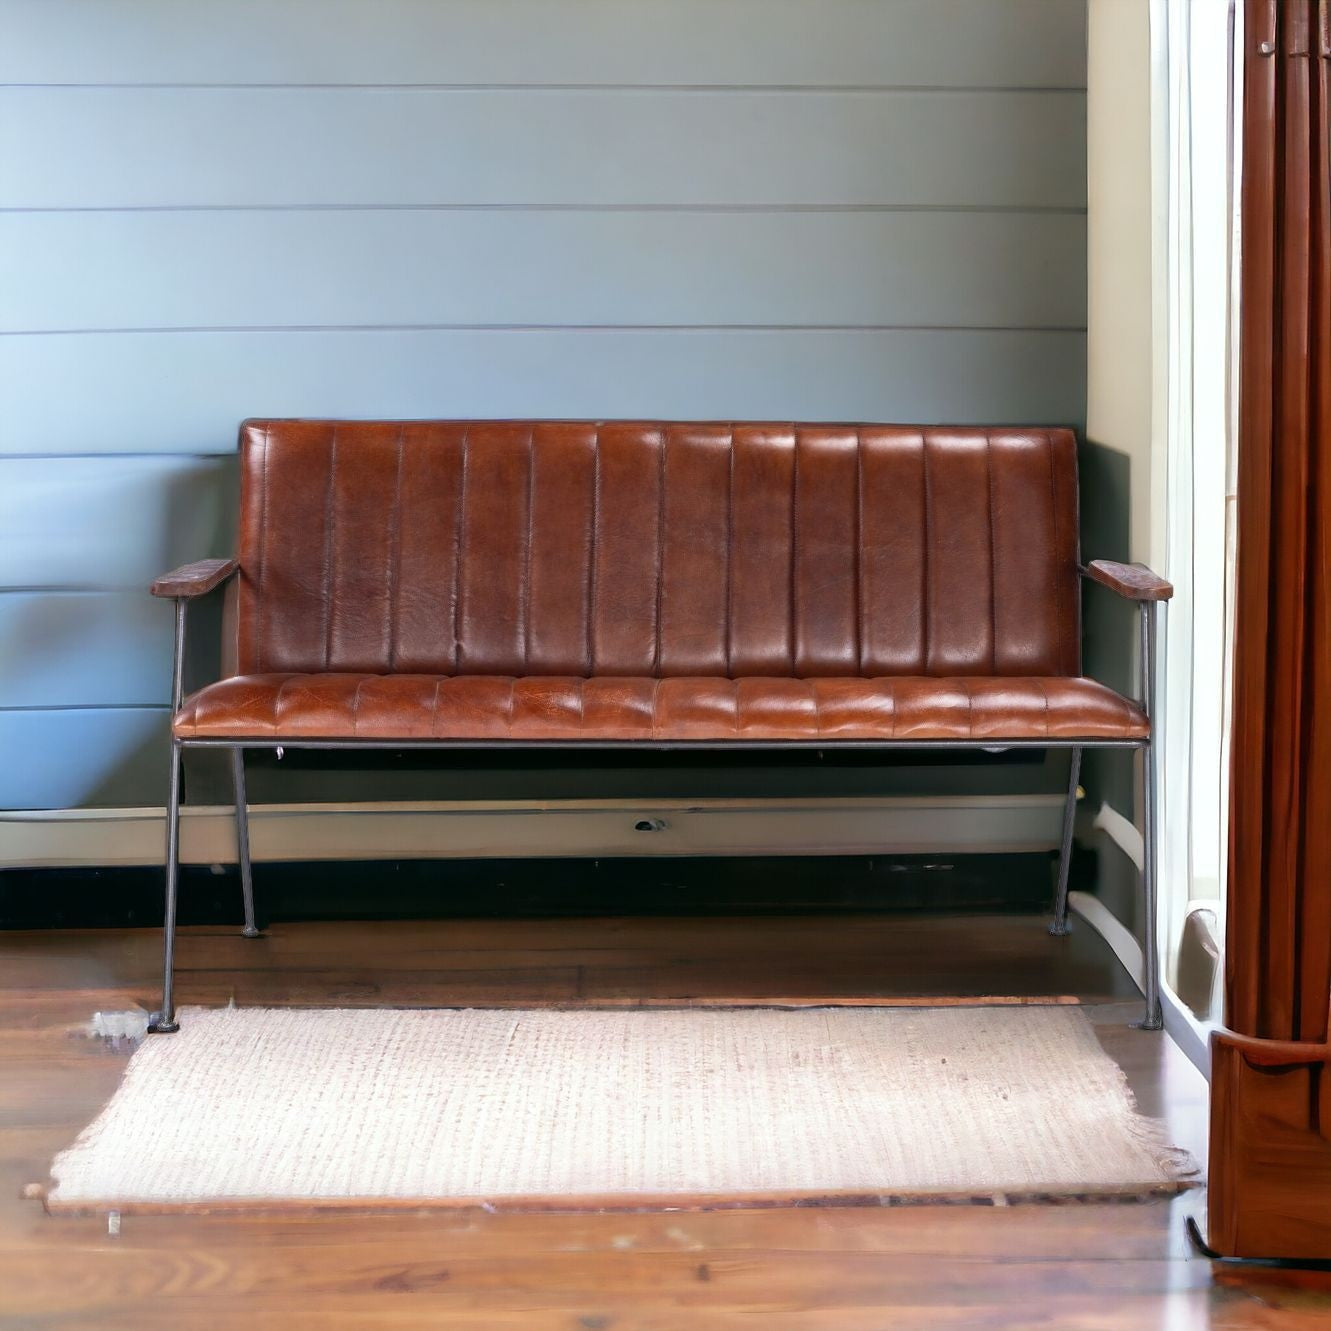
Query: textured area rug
<point>615,1108</point>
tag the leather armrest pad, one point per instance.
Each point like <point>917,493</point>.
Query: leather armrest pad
<point>195,579</point>
<point>1135,581</point>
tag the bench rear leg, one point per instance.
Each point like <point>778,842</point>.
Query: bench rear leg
<point>164,1021</point>
<point>1060,924</point>
<point>243,841</point>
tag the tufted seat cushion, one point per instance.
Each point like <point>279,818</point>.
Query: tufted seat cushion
<point>608,708</point>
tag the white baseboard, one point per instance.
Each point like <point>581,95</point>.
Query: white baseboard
<point>457,829</point>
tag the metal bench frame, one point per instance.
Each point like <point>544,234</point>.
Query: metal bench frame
<point>164,1020</point>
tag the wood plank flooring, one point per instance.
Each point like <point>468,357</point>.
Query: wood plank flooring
<point>1070,1266</point>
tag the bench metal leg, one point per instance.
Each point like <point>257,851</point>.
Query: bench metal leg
<point>1060,925</point>
<point>164,1021</point>
<point>1153,1019</point>
<point>243,842</point>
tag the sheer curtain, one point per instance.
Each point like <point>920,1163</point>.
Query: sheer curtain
<point>1194,261</point>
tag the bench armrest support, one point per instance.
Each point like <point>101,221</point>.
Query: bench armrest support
<point>196,579</point>
<point>1135,581</point>
<point>182,586</point>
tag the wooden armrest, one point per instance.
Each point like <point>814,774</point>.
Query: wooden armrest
<point>1273,1053</point>
<point>195,579</point>
<point>1135,581</point>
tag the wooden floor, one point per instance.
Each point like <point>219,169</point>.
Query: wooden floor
<point>1068,1266</point>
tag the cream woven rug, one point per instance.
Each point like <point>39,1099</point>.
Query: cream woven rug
<point>596,1108</point>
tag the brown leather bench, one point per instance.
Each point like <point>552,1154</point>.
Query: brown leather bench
<point>671,585</point>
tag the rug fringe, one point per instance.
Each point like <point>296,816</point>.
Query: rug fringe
<point>1177,1163</point>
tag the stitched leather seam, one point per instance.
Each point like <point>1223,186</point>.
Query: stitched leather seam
<point>730,546</point>
<point>926,600</point>
<point>993,558</point>
<point>355,705</point>
<point>259,600</point>
<point>794,555</point>
<point>660,549</point>
<point>1074,663</point>
<point>1060,573</point>
<point>327,579</point>
<point>593,553</point>
<point>277,703</point>
<point>857,552</point>
<point>395,554</point>
<point>524,599</point>
<point>579,660</point>
<point>459,536</point>
<point>434,708</point>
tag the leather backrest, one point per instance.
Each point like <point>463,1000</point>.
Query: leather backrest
<point>565,548</point>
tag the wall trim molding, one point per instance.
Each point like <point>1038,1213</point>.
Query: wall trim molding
<point>1123,832</point>
<point>37,838</point>
<point>1191,1035</point>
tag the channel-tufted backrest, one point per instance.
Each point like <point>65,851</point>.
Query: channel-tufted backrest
<point>656,548</point>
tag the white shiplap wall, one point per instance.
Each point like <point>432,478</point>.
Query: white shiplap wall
<point>837,209</point>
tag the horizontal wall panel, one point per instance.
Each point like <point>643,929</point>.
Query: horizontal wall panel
<point>313,269</point>
<point>85,148</point>
<point>114,522</point>
<point>173,391</point>
<point>84,648</point>
<point>945,42</point>
<point>791,209</point>
<point>83,757</point>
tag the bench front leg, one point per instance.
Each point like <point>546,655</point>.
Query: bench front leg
<point>1151,593</point>
<point>164,1020</point>
<point>182,586</point>
<point>1153,1019</point>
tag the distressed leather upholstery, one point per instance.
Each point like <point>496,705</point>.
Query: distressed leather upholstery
<point>558,707</point>
<point>655,581</point>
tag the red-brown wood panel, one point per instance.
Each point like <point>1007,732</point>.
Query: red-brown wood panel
<point>1271,1141</point>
